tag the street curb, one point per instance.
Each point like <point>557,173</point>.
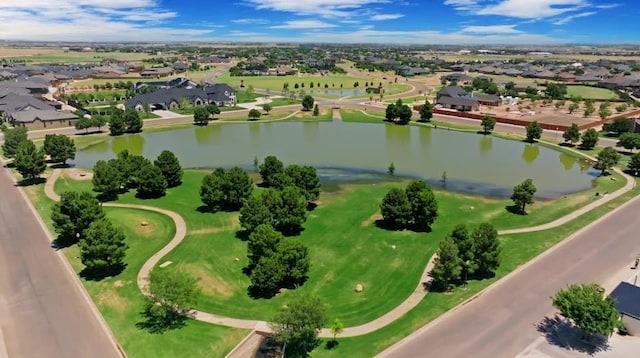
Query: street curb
<point>506,278</point>
<point>70,271</point>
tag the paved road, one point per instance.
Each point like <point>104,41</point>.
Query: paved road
<point>501,323</point>
<point>43,312</point>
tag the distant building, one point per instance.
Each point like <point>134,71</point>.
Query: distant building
<point>454,97</point>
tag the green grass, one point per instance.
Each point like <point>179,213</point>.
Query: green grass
<point>587,92</point>
<point>119,299</point>
<point>277,102</point>
<point>60,56</point>
<point>245,96</point>
<point>356,116</point>
<point>516,250</point>
<point>275,83</point>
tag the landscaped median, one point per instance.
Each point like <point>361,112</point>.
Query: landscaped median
<point>387,263</point>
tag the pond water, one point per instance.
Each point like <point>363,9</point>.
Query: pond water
<point>361,151</point>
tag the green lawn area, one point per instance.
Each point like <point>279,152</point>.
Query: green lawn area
<point>245,96</point>
<point>587,92</point>
<point>119,299</point>
<point>277,102</point>
<point>275,83</point>
<point>355,115</point>
<point>60,56</point>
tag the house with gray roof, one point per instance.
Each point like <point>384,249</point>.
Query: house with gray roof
<point>167,98</point>
<point>221,94</point>
<point>36,118</point>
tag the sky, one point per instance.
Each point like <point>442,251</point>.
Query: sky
<point>462,22</point>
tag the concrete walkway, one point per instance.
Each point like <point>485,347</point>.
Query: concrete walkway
<point>262,326</point>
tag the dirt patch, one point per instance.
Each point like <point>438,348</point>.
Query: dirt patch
<point>118,283</point>
<point>142,230</point>
<point>373,218</point>
<point>78,174</point>
<point>111,298</point>
<point>210,284</point>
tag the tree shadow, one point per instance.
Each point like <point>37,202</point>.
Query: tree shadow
<point>62,242</point>
<point>291,231</point>
<point>158,324</point>
<point>147,196</point>
<point>107,197</point>
<point>31,181</point>
<point>567,144</point>
<point>58,165</point>
<point>86,133</point>
<point>561,333</point>
<point>311,206</point>
<point>101,274</point>
<point>483,132</point>
<point>243,235</point>
<point>260,293</point>
<point>515,209</point>
<point>332,344</point>
<point>420,228</point>
<point>218,208</point>
<point>383,224</point>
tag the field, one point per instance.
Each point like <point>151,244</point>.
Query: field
<point>587,92</point>
<point>58,55</point>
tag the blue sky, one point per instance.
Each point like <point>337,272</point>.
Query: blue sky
<point>346,21</point>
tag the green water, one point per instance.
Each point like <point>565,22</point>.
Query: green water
<point>473,163</point>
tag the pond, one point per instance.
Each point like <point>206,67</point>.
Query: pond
<point>359,151</point>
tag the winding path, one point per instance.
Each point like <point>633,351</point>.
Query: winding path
<point>262,326</point>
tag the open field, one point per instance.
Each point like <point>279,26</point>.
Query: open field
<point>58,55</point>
<point>587,92</point>
<point>120,301</point>
<point>498,57</point>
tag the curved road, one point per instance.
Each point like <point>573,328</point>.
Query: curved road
<point>44,311</point>
<point>500,323</point>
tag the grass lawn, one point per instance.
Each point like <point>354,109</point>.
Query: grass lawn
<point>275,83</point>
<point>119,299</point>
<point>60,56</point>
<point>591,92</point>
<point>356,116</point>
<point>276,102</point>
<point>244,96</point>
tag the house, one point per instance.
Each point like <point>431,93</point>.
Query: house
<point>627,297</point>
<point>567,77</point>
<point>454,97</point>
<point>36,118</point>
<point>167,98</point>
<point>408,71</point>
<point>180,67</point>
<point>178,82</point>
<point>157,72</point>
<point>221,94</point>
<point>457,77</point>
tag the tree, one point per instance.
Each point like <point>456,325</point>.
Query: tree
<point>588,307</point>
<point>84,123</point>
<point>404,114</point>
<point>572,134</point>
<point>254,213</point>
<point>132,167</point>
<point>132,121</point>
<point>621,107</point>
<point>103,249</point>
<point>224,189</point>
<point>116,124</point>
<point>293,257</point>
<point>306,178</point>
<point>29,161</point>
<point>426,112</point>
<point>170,167</point>
<point>604,113</point>
<point>487,124</point>
<point>212,108</point>
<point>267,108</point>
<point>107,178</point>
<point>254,115</point>
<point>448,265</point>
<point>172,294</point>
<point>634,164</point>
<point>606,159</point>
<point>523,194</point>
<point>589,139</point>
<point>98,121</point>
<point>269,168</point>
<point>59,148</point>
<point>266,277</point>
<point>534,131</point>
<point>556,90</point>
<point>316,110</point>
<point>201,116</point>
<point>629,141</point>
<point>589,110</point>
<point>12,140</point>
<point>292,213</point>
<point>424,207</point>
<point>297,325</point>
<point>396,208</point>
<point>307,103</point>
<point>573,107</point>
<point>391,169</point>
<point>74,213</point>
<point>486,247</point>
<point>619,126</point>
<point>466,249</point>
<point>151,182</point>
<point>336,328</point>
<point>263,241</point>
<point>559,104</point>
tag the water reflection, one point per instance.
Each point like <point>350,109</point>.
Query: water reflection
<point>567,161</point>
<point>207,134</point>
<point>530,153</point>
<point>486,144</point>
<point>134,143</point>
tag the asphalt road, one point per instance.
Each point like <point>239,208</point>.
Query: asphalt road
<point>501,321</point>
<point>43,312</point>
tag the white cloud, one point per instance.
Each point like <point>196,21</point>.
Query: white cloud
<point>567,19</point>
<point>304,24</point>
<point>463,5</point>
<point>491,29</point>
<point>325,8</point>
<point>250,21</point>
<point>90,20</point>
<point>382,17</point>
<point>528,9</point>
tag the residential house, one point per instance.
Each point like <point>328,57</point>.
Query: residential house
<point>178,82</point>
<point>454,97</point>
<point>36,118</point>
<point>221,94</point>
<point>157,72</point>
<point>457,77</point>
<point>167,98</point>
<point>627,297</point>
<point>408,71</point>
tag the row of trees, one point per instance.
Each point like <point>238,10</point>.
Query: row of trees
<point>30,161</point>
<point>127,121</point>
<point>203,114</point>
<point>464,254</point>
<point>415,207</point>
<point>111,177</point>
<point>79,218</point>
<point>398,113</point>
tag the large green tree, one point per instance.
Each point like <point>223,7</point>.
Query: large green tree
<point>424,207</point>
<point>254,114</point>
<point>59,148</point>
<point>448,265</point>
<point>201,115</point>
<point>572,134</point>
<point>29,161</point>
<point>74,213</point>
<point>263,241</point>
<point>132,121</point>
<point>151,182</point>
<point>486,250</point>
<point>488,123</point>
<point>307,103</point>
<point>619,126</point>
<point>224,189</point>
<point>170,167</point>
<point>634,164</point>
<point>172,294</point>
<point>294,258</point>
<point>588,308</point>
<point>589,139</point>
<point>292,213</point>
<point>426,112</point>
<point>396,208</point>
<point>103,249</point>
<point>534,131</point>
<point>629,141</point>
<point>523,195</point>
<point>306,178</point>
<point>466,249</point>
<point>253,213</point>
<point>117,125</point>
<point>107,178</point>
<point>12,140</point>
<point>297,325</point>
<point>269,169</point>
<point>607,158</point>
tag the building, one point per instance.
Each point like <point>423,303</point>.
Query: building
<point>627,298</point>
<point>158,72</point>
<point>36,118</point>
<point>221,94</point>
<point>167,98</point>
<point>454,97</point>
